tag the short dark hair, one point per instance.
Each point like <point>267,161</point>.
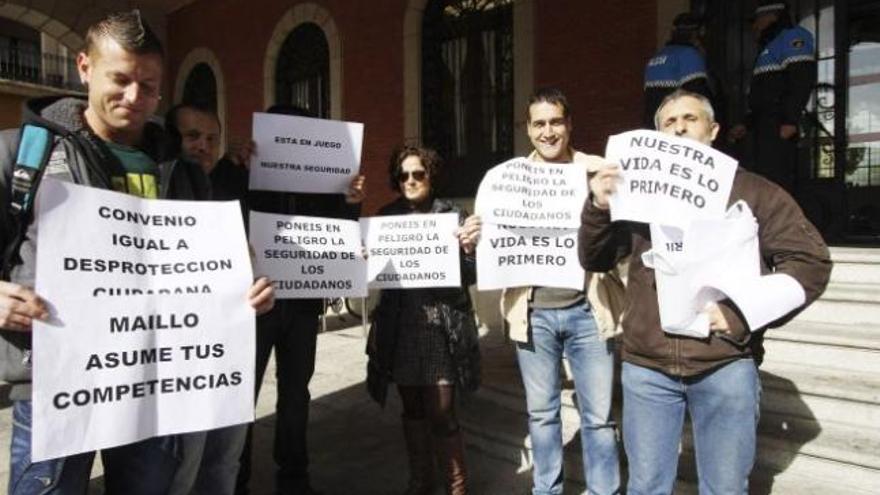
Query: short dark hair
<point>175,139</point>
<point>128,29</point>
<point>430,160</point>
<point>551,95</point>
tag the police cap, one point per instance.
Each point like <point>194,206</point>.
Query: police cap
<point>770,6</point>
<point>687,22</point>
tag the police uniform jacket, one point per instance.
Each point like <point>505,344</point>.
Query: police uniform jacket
<point>783,75</point>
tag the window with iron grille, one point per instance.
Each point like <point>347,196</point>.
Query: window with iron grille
<point>303,71</point>
<point>467,88</point>
<point>20,55</point>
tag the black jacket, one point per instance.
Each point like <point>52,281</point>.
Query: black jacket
<point>678,65</point>
<point>783,76</point>
<point>450,309</point>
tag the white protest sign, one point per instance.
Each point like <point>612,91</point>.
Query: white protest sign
<point>519,257</point>
<point>150,331</point>
<point>668,180</point>
<point>681,304</point>
<point>412,251</point>
<point>309,257</point>
<point>728,259</point>
<point>301,154</point>
<point>524,193</point>
<point>710,261</point>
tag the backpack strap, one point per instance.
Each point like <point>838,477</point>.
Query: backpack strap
<point>34,148</point>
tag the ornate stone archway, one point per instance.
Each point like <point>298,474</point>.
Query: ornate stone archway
<point>301,14</point>
<point>58,28</point>
<point>205,56</point>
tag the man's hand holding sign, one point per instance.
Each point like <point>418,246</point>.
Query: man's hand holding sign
<point>674,179</point>
<point>19,307</point>
<point>160,328</point>
<point>526,215</point>
<point>303,154</point>
<point>667,179</point>
<point>702,276</point>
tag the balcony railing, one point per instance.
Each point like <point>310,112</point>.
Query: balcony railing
<point>45,69</point>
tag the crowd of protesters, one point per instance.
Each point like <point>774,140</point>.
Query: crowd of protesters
<point>425,340</point>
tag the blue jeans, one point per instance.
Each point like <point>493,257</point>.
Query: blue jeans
<point>571,332</point>
<point>723,405</point>
<point>141,468</point>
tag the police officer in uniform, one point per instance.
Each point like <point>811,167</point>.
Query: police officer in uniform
<point>680,64</point>
<point>782,80</point>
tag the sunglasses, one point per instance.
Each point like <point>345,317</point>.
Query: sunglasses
<point>418,176</point>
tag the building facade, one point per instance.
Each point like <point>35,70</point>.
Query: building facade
<point>455,75</point>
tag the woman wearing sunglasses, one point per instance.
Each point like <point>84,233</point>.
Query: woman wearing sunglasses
<point>425,340</point>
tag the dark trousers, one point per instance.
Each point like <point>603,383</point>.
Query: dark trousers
<point>292,329</point>
<point>775,158</point>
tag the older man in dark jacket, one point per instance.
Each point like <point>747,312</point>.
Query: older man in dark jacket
<point>714,379</point>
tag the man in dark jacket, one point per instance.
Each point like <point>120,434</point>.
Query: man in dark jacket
<point>209,460</point>
<point>782,79</point>
<point>291,328</point>
<point>194,133</point>
<point>714,379</point>
<point>105,142</point>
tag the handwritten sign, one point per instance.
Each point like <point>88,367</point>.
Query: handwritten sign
<point>668,180</point>
<point>411,251</point>
<point>309,257</point>
<point>523,193</point>
<point>301,154</point>
<point>150,330</point>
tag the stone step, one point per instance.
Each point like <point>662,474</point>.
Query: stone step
<point>825,345</point>
<point>821,394</point>
<point>794,456</point>
<point>799,390</point>
<point>862,337</point>
<point>855,265</point>
<point>813,415</point>
<point>782,438</point>
<point>788,411</point>
<point>801,475</point>
<point>862,254</point>
<point>859,273</point>
<point>846,304</point>
<point>853,292</point>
